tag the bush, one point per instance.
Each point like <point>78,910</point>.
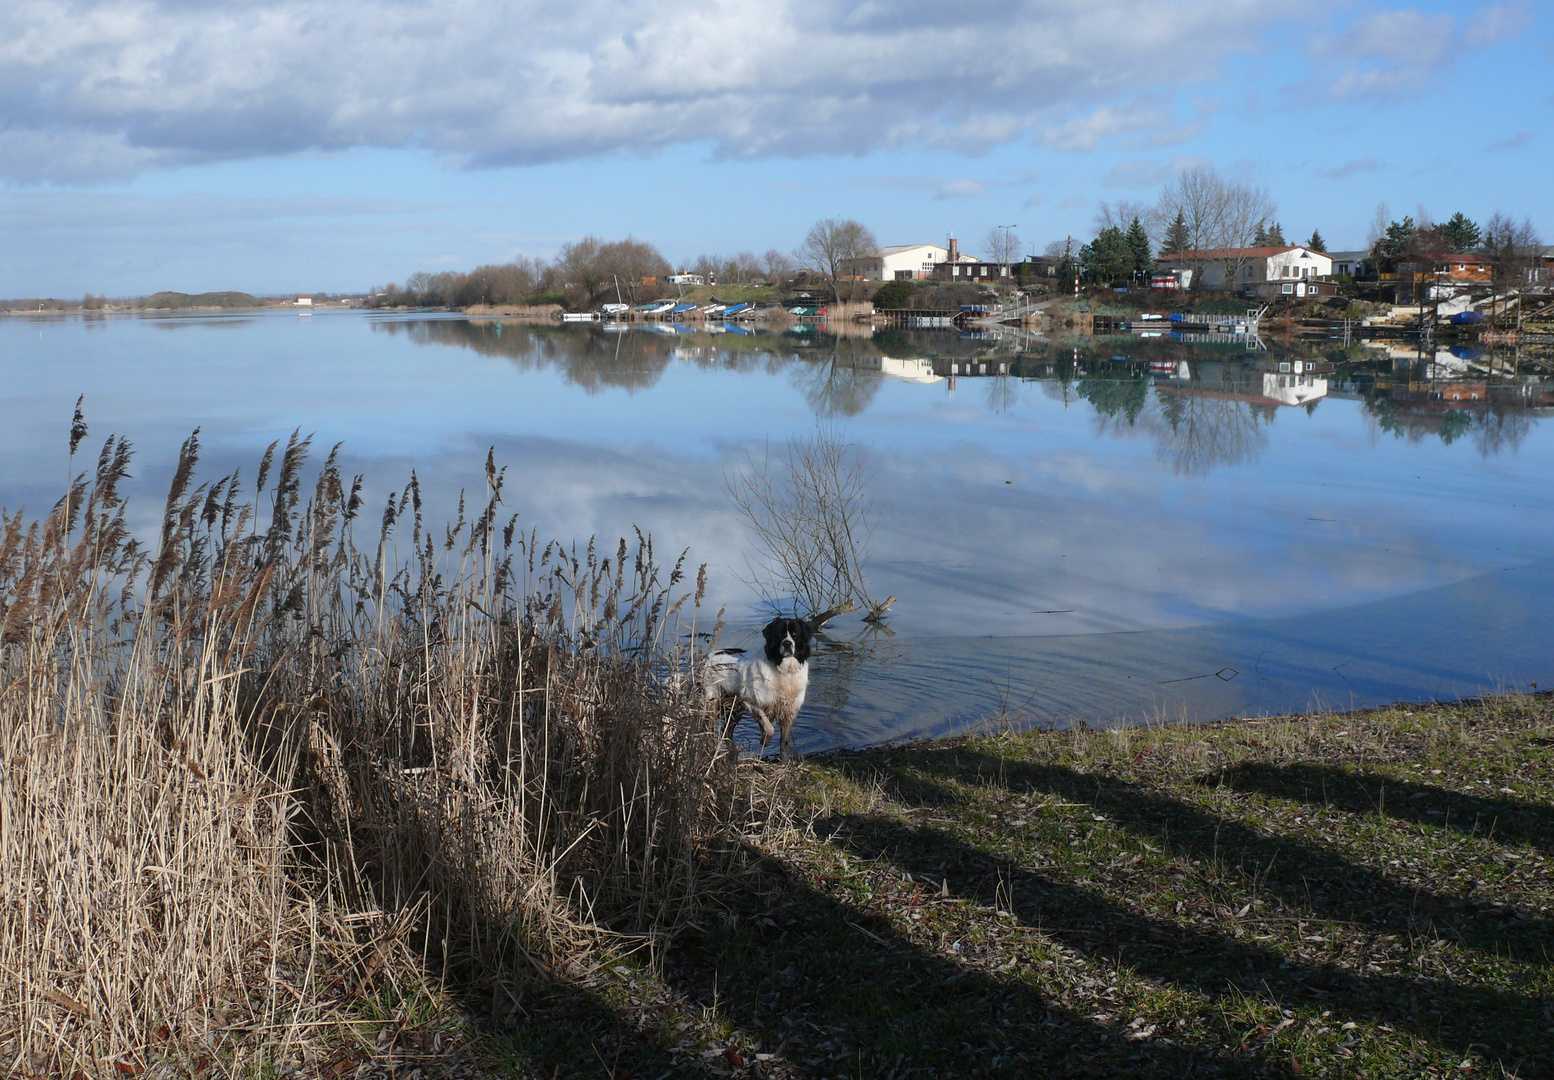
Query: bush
<point>895,294</point>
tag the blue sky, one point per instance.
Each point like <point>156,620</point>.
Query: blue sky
<point>284,145</point>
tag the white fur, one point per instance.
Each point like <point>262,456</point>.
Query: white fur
<point>771,692</point>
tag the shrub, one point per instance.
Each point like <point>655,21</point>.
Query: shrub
<point>894,294</point>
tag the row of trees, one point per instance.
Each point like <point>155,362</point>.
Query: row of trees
<point>584,273</point>
<point>1511,247</point>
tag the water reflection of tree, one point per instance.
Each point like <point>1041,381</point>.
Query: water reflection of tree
<point>1115,400</point>
<point>1196,431</point>
<point>590,357</point>
<point>1498,428</point>
<point>1003,393</point>
<point>837,383</point>
<point>1492,426</point>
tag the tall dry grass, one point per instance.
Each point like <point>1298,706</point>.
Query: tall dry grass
<point>251,761</point>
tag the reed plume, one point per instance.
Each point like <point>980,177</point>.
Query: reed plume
<point>235,765</point>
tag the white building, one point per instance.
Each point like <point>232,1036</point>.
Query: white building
<point>686,279</point>
<point>906,262</point>
<point>304,301</point>
<point>1251,266</point>
<point>1349,263</point>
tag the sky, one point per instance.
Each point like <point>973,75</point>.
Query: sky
<point>274,146</point>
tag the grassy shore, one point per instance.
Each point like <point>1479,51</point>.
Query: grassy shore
<point>1360,895</point>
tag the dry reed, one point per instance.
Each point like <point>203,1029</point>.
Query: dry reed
<point>253,762</point>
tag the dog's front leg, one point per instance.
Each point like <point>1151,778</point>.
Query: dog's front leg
<point>786,746</point>
<point>766,727</point>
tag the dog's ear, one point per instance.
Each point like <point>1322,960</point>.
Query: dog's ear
<point>773,631</point>
<point>802,633</point>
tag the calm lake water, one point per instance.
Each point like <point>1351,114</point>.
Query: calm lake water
<point>1115,530</point>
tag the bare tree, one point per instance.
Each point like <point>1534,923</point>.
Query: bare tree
<point>839,251</point>
<point>589,269</point>
<point>1222,218</point>
<point>811,518</point>
<point>1120,214</point>
<point>1513,252</point>
<point>1376,234</point>
<point>778,266</point>
<point>1002,245</point>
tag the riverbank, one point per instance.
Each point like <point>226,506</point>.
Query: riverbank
<point>1360,895</point>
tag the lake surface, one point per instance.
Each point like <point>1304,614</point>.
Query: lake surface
<point>1114,530</point>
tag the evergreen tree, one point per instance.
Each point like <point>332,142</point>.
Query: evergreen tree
<point>1108,257</point>
<point>1399,235</point>
<point>1177,238</point>
<point>1276,236</point>
<point>1460,233</point>
<point>1138,242</point>
<point>1316,243</point>
<point>1260,239</point>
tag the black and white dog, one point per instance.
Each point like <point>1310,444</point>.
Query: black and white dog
<point>771,685</point>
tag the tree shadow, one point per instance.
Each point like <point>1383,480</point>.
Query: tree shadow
<point>1212,963</point>
<point>1504,819</point>
<point>1301,875</point>
<point>844,995</point>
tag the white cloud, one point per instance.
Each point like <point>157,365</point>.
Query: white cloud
<point>941,189</point>
<point>1388,55</point>
<point>102,89</point>
<point>1515,142</point>
<point>1144,174</point>
<point>958,189</point>
<point>1352,168</point>
<point>1092,129</point>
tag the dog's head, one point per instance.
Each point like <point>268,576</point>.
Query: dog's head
<point>787,637</point>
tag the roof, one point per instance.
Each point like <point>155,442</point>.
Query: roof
<point>897,249</point>
<point>1238,253</point>
<point>1348,256</point>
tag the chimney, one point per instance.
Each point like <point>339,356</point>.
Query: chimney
<point>954,250</point>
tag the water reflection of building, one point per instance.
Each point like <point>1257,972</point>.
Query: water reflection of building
<point>1293,389</point>
<point>1292,383</point>
<point>915,369</point>
<point>977,365</point>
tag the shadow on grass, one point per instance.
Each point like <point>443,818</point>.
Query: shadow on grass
<point>1451,1014</point>
<point>566,1030</point>
<point>1301,875</point>
<point>831,990</point>
<point>1507,820</point>
<point>845,995</point>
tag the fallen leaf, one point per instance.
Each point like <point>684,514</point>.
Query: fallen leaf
<point>65,1001</point>
<point>733,1057</point>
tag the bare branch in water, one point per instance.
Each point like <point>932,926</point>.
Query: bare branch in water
<point>812,520</point>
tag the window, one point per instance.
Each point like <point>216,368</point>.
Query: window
<point>1287,288</point>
